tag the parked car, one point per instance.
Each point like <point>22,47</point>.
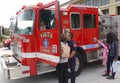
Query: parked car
<point>7,43</point>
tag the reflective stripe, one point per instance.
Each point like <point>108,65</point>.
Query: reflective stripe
<point>48,57</point>
<point>90,46</point>
<point>29,55</point>
<point>41,56</point>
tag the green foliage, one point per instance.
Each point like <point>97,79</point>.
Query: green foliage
<point>6,31</point>
<point>1,38</point>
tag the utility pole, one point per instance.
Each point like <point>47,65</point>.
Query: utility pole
<point>0,30</point>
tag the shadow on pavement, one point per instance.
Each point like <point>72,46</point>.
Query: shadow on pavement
<point>45,78</point>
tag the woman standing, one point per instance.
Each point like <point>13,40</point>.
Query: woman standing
<point>113,45</point>
<point>63,64</point>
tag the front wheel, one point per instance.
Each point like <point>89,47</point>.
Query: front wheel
<point>79,64</point>
<point>9,46</point>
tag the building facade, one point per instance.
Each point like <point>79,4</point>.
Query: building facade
<point>111,7</point>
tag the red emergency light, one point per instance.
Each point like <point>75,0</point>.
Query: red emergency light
<point>18,12</point>
<point>23,7</point>
<point>39,4</point>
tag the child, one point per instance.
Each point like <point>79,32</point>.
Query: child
<point>105,49</point>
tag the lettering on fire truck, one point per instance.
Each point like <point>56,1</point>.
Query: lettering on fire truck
<point>46,35</point>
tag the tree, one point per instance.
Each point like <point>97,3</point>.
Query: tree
<point>5,31</point>
<point>0,30</point>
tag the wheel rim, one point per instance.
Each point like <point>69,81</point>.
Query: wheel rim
<point>77,65</point>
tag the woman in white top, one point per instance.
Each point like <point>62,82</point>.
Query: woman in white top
<point>63,65</point>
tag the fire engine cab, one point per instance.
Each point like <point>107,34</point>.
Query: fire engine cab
<point>36,50</point>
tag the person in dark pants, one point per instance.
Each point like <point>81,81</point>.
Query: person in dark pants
<point>113,43</point>
<point>63,64</point>
<point>72,58</point>
<point>62,73</point>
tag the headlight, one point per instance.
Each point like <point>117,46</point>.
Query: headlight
<point>7,60</point>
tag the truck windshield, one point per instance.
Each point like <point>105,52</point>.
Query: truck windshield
<point>25,23</point>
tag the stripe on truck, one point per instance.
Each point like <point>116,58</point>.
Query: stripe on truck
<point>90,46</point>
<point>43,56</point>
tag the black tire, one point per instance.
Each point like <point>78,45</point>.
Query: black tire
<point>9,46</point>
<point>79,64</point>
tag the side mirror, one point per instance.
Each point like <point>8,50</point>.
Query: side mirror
<point>12,24</point>
<point>12,27</point>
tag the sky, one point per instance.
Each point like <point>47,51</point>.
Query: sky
<point>9,8</point>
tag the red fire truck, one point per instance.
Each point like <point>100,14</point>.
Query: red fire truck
<point>37,51</point>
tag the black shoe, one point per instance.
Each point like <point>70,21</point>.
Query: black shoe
<point>105,75</point>
<point>110,77</point>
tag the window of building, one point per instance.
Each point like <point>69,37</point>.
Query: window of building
<point>106,11</point>
<point>83,3</point>
<point>90,2</point>
<point>117,0</point>
<point>118,10</point>
<point>75,21</point>
<point>89,20</point>
<point>104,2</point>
<point>97,2</point>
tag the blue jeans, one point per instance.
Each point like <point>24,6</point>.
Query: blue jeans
<point>109,64</point>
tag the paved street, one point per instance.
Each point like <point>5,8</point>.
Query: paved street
<point>5,51</point>
<point>91,74</point>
